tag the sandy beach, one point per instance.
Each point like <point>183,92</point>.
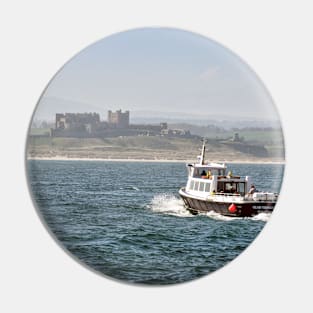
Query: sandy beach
<point>63,158</point>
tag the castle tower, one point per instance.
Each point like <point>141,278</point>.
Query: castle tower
<point>118,119</point>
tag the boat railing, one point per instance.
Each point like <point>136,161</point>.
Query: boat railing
<point>263,196</point>
<point>268,197</point>
<point>227,196</point>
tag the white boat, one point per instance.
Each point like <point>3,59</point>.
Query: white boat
<point>209,188</point>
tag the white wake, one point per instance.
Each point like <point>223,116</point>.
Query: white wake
<point>219,217</point>
<point>168,204</point>
<point>264,217</point>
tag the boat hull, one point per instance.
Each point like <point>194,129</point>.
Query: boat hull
<point>242,209</point>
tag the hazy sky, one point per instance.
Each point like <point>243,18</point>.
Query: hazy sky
<point>158,69</point>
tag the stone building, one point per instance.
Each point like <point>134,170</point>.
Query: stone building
<point>118,119</point>
<point>75,121</point>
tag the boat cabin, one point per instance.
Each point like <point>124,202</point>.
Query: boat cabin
<point>211,179</point>
<point>215,184</point>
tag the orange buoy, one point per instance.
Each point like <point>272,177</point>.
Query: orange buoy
<point>232,208</point>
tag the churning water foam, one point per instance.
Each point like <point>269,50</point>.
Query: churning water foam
<point>171,205</point>
<point>264,217</point>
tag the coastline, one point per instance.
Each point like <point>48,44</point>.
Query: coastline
<point>63,158</point>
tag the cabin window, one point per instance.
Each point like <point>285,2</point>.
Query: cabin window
<point>196,185</point>
<point>220,187</point>
<point>221,172</point>
<point>241,188</point>
<point>192,184</point>
<point>201,188</point>
<point>230,187</point>
<point>207,187</point>
<point>226,187</point>
<point>196,173</point>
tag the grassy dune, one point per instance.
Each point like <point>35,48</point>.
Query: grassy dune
<point>149,148</point>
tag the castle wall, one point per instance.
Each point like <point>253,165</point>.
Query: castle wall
<point>89,125</point>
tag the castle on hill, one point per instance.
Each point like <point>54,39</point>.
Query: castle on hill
<point>84,125</point>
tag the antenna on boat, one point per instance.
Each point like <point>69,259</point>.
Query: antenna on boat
<point>202,152</point>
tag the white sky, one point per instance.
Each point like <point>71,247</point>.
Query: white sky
<point>158,69</point>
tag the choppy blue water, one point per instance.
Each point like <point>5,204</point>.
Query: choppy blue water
<point>126,220</point>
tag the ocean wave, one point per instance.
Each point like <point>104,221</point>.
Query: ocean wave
<point>129,188</point>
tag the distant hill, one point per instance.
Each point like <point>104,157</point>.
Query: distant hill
<point>49,106</point>
<point>253,134</point>
<point>225,124</point>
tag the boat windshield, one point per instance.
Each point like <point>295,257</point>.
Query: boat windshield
<point>206,171</point>
<point>231,187</point>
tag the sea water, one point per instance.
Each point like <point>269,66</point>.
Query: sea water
<point>126,221</point>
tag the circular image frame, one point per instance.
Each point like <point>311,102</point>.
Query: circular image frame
<point>166,254</point>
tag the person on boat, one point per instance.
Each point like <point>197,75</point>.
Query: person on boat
<point>208,175</point>
<point>203,173</point>
<point>252,190</point>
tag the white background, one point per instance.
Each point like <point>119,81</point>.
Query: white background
<point>274,38</point>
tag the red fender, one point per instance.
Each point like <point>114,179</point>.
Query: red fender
<point>232,208</point>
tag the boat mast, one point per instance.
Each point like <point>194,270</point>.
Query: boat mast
<point>202,152</point>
